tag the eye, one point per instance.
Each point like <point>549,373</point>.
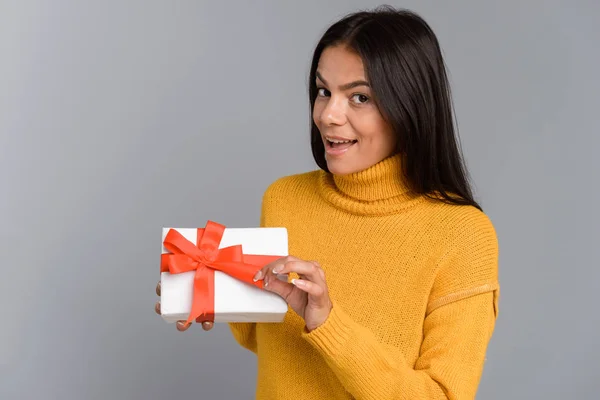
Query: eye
<point>360,98</point>
<point>322,92</point>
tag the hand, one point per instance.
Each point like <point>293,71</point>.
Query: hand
<point>307,296</point>
<point>181,325</point>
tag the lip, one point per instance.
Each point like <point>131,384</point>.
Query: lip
<point>336,138</point>
<point>337,151</point>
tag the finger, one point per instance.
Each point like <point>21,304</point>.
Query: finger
<point>321,270</point>
<point>275,285</point>
<point>158,288</point>
<point>262,273</point>
<point>183,325</point>
<point>157,307</point>
<point>280,263</point>
<point>309,269</point>
<point>311,288</point>
<point>206,325</point>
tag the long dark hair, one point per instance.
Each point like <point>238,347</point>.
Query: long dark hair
<point>405,68</point>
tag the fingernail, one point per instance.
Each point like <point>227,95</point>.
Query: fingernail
<point>277,269</point>
<point>297,282</point>
<point>257,276</point>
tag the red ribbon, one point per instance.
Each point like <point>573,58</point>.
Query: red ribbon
<point>205,258</point>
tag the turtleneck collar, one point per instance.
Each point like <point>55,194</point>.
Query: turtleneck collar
<point>378,190</point>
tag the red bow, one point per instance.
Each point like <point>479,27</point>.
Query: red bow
<point>205,257</point>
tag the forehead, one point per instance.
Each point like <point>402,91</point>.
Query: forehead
<point>341,64</point>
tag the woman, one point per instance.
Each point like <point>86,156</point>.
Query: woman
<point>393,279</point>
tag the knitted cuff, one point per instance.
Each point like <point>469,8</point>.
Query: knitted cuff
<point>332,336</point>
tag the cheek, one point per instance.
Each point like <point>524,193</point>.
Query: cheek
<point>371,129</point>
<point>375,133</point>
<point>317,109</point>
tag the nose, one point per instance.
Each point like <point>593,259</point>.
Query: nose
<point>334,112</point>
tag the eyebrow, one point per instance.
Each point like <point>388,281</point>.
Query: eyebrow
<point>347,85</point>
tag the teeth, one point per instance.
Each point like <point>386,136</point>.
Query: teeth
<point>340,141</point>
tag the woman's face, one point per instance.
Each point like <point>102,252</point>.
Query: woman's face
<point>353,131</point>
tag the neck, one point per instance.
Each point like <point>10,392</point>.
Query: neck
<point>379,189</point>
<point>380,181</point>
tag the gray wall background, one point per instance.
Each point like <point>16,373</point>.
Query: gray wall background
<point>118,118</point>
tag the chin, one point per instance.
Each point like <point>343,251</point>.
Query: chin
<point>340,168</point>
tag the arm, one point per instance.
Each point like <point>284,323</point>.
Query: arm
<point>245,332</point>
<point>449,366</point>
<point>457,327</point>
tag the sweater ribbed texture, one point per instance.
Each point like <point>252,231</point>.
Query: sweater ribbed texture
<point>414,286</point>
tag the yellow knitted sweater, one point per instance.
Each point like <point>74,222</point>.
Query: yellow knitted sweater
<point>414,287</point>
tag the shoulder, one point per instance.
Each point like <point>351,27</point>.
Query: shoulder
<point>472,224</point>
<point>285,197</point>
<point>291,185</point>
<point>470,264</point>
<point>474,229</point>
<point>463,225</point>
<point>470,243</point>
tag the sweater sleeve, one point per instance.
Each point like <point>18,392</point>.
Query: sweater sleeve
<point>245,332</point>
<point>457,327</point>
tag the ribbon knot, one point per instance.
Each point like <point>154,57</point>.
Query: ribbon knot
<point>205,257</point>
<point>209,257</point>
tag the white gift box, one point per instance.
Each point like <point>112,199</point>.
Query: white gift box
<point>234,301</point>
